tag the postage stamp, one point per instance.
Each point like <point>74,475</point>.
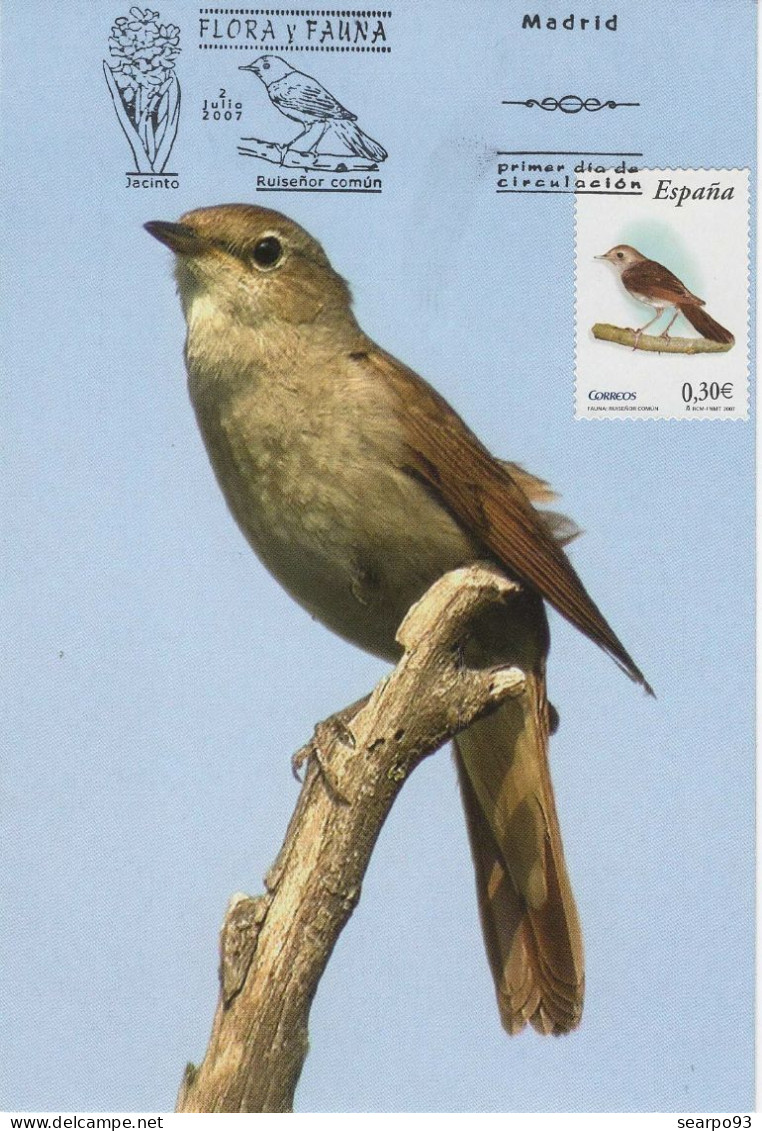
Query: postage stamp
<point>662,307</point>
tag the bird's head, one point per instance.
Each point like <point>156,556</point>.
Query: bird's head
<point>622,256</point>
<point>268,68</point>
<point>252,264</point>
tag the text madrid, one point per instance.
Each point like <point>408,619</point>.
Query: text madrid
<point>570,23</point>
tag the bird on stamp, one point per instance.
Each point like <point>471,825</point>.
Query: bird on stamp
<point>655,285</point>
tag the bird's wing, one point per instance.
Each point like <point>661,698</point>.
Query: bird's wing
<point>563,528</point>
<point>536,489</point>
<point>297,91</point>
<point>657,281</point>
<point>485,497</point>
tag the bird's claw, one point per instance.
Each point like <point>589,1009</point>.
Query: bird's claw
<point>302,756</point>
<point>327,732</point>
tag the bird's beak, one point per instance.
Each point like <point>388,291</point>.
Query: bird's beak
<point>179,238</point>
<point>600,256</point>
<point>249,67</point>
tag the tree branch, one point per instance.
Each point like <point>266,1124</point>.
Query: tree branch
<point>274,948</point>
<point>657,344</point>
<point>318,160</point>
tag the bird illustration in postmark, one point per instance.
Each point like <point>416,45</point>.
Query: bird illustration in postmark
<point>330,136</point>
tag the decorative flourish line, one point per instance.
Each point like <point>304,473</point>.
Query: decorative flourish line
<point>570,104</point>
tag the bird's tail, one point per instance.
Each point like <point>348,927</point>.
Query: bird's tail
<point>357,142</point>
<point>705,324</point>
<point>527,909</point>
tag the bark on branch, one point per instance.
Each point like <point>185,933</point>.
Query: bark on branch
<point>652,343</point>
<point>275,947</point>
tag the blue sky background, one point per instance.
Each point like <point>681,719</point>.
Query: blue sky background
<point>156,680</point>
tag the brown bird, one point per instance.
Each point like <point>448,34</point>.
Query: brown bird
<point>358,486</point>
<point>656,286</point>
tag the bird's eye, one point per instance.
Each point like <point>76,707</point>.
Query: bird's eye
<point>266,66</point>
<point>620,255</point>
<point>268,252</point>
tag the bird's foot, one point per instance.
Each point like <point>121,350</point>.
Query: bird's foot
<point>329,731</point>
<point>666,334</point>
<point>637,340</point>
<point>325,734</point>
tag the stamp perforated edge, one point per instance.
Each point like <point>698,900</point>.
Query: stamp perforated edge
<point>747,287</point>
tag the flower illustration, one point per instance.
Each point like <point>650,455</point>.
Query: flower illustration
<point>143,85</point>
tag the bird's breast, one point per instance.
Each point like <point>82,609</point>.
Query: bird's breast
<point>312,467</point>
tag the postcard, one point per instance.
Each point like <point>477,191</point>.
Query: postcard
<point>379,433</point>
